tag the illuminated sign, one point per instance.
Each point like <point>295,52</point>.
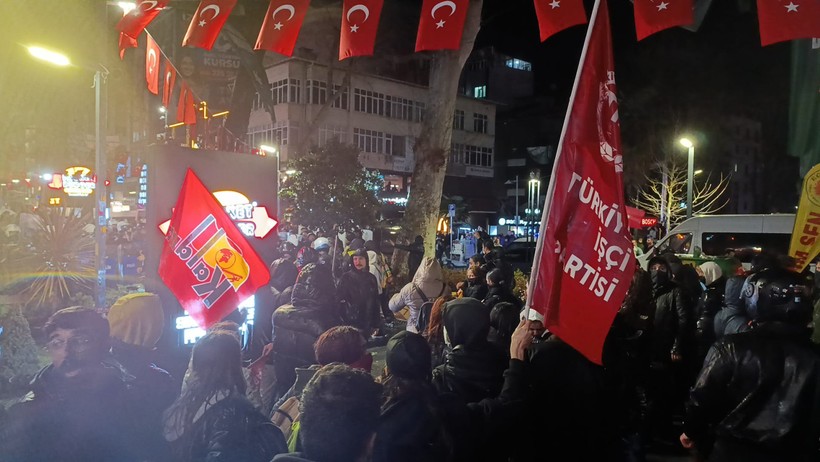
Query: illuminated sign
<point>76,182</point>
<point>55,201</point>
<point>251,219</point>
<point>142,198</point>
<point>648,222</point>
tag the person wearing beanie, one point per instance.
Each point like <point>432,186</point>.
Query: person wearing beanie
<point>410,427</point>
<point>358,294</point>
<point>136,322</point>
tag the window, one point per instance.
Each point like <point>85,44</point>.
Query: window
<point>369,102</point>
<point>399,143</point>
<point>478,156</point>
<point>480,92</point>
<point>519,64</point>
<point>271,134</point>
<point>458,120</point>
<point>457,153</point>
<point>677,243</point>
<point>343,96</point>
<point>480,123</point>
<point>330,133</point>
<point>744,246</point>
<point>316,92</point>
<point>373,141</point>
<point>286,91</point>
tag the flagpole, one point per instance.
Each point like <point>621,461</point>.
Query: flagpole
<point>551,188</point>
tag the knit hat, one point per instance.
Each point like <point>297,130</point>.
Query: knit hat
<point>408,356</point>
<point>137,319</point>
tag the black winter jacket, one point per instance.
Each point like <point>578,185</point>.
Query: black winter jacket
<point>760,391</point>
<point>475,289</point>
<point>732,318</point>
<point>358,296</point>
<point>674,323</point>
<point>498,294</point>
<point>410,430</point>
<point>710,305</point>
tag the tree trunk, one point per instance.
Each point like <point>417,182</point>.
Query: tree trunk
<point>432,148</point>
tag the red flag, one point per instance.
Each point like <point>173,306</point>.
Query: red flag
<point>656,15</point>
<point>186,111</point>
<point>136,20</point>
<point>782,20</point>
<point>152,55</point>
<point>206,261</point>
<point>208,20</point>
<point>169,78</point>
<point>557,15</point>
<point>584,261</point>
<point>125,43</point>
<point>360,22</point>
<point>441,24</point>
<point>281,26</point>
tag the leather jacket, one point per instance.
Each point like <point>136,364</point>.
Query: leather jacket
<point>674,326</point>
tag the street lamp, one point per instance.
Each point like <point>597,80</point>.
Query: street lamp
<point>100,191</point>
<point>533,196</point>
<point>273,150</point>
<point>690,174</point>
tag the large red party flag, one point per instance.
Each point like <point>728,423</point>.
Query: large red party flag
<point>186,111</point>
<point>557,15</point>
<point>656,15</point>
<point>169,77</point>
<point>281,26</point>
<point>360,22</point>
<point>206,262</point>
<point>125,43</point>
<point>208,20</point>
<point>782,20</point>
<point>441,24</point>
<point>152,55</point>
<point>583,261</point>
<point>135,21</point>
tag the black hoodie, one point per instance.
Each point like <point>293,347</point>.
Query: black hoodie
<point>358,296</point>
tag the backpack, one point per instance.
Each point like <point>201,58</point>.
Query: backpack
<point>425,309</point>
<point>286,418</point>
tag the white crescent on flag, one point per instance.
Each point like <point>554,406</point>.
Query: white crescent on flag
<point>146,2</point>
<point>152,60</point>
<point>287,7</point>
<point>215,8</point>
<point>439,5</point>
<point>361,8</point>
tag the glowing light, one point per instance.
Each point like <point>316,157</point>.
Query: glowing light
<point>686,142</point>
<point>52,57</point>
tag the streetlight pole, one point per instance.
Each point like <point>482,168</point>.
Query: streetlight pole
<point>101,191</point>
<point>690,175</point>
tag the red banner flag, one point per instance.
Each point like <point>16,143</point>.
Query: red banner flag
<point>441,24</point>
<point>281,26</point>
<point>583,262</point>
<point>169,78</point>
<point>208,20</point>
<point>125,43</point>
<point>557,15</point>
<point>186,111</point>
<point>206,261</point>
<point>135,21</point>
<point>782,20</point>
<point>360,22</point>
<point>656,15</point>
<point>152,55</point>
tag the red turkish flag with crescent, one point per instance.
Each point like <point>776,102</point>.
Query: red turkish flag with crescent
<point>206,262</point>
<point>441,24</point>
<point>169,77</point>
<point>656,15</point>
<point>152,55</point>
<point>360,22</point>
<point>186,110</point>
<point>208,20</point>
<point>281,26</point>
<point>125,43</point>
<point>782,20</point>
<point>584,263</point>
<point>557,15</point>
<point>135,21</point>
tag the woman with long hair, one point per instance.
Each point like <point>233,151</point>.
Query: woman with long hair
<point>212,419</point>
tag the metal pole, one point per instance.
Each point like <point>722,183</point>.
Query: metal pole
<point>278,174</point>
<point>517,200</point>
<point>690,180</point>
<point>101,191</point>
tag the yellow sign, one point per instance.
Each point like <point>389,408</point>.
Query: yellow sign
<point>55,201</point>
<point>805,243</point>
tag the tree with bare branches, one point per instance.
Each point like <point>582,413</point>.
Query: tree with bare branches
<point>664,194</point>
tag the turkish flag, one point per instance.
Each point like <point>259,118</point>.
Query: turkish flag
<point>557,15</point>
<point>125,43</point>
<point>206,262</point>
<point>208,20</point>
<point>441,24</point>
<point>656,15</point>
<point>152,55</point>
<point>186,111</point>
<point>782,20</point>
<point>135,21</point>
<point>281,26</point>
<point>360,22</point>
<point>583,261</point>
<point>169,78</point>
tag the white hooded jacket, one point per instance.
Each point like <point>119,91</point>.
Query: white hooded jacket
<point>428,279</point>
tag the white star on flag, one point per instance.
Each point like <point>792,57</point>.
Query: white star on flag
<point>791,7</point>
<point>662,6</point>
<point>440,24</point>
<point>354,28</point>
<point>555,4</point>
<point>202,23</point>
<point>278,26</point>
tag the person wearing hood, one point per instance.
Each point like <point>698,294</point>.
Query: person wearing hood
<point>504,318</point>
<point>136,322</point>
<point>499,290</point>
<point>710,304</point>
<point>381,270</point>
<point>296,326</point>
<point>474,369</point>
<point>358,295</point>
<point>427,285</point>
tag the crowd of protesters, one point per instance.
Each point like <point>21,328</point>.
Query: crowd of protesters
<point>720,364</point>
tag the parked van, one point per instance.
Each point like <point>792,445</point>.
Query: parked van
<point>740,236</point>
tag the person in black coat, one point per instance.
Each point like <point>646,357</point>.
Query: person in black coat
<point>416,254</point>
<point>358,295</point>
<point>475,286</point>
<point>710,304</point>
<point>499,290</point>
<point>213,420</point>
<point>313,310</point>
